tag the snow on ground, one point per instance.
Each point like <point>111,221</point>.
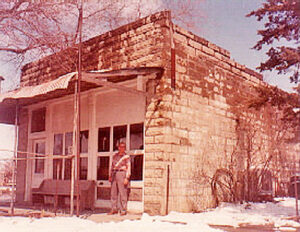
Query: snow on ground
<point>239,214</point>
<point>226,214</point>
<point>65,224</point>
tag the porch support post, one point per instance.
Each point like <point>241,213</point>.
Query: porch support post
<point>14,161</point>
<point>78,112</point>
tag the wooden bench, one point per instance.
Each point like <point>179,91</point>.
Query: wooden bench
<point>61,189</point>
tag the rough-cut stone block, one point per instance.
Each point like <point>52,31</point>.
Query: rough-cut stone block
<point>195,44</point>
<point>208,50</point>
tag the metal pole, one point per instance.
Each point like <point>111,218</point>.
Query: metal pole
<point>14,161</point>
<point>173,58</point>
<point>78,110</point>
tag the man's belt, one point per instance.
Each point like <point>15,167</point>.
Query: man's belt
<point>119,170</point>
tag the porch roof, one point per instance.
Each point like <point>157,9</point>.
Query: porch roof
<point>65,85</point>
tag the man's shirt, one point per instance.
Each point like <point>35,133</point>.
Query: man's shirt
<point>123,165</point>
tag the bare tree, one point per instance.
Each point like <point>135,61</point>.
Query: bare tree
<point>259,159</point>
<point>30,30</point>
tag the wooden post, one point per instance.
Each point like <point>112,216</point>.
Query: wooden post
<point>56,187</point>
<point>296,191</point>
<point>78,111</point>
<point>168,189</point>
<point>14,161</point>
<point>74,152</point>
<point>72,186</point>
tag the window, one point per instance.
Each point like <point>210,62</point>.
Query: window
<point>58,150</point>
<point>136,167</point>
<point>39,164</point>
<point>63,145</point>
<point>68,151</point>
<point>137,136</point>
<point>137,143</point>
<point>111,137</point>
<point>119,133</point>
<point>58,144</point>
<point>103,168</point>
<point>68,169</point>
<point>84,139</point>
<point>83,168</point>
<point>68,143</point>
<point>103,139</point>
<point>38,120</point>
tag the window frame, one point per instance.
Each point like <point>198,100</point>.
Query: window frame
<point>32,114</point>
<point>64,153</point>
<point>111,152</point>
<point>35,142</point>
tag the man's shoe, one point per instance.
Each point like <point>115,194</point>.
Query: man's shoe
<point>123,213</point>
<point>112,212</point>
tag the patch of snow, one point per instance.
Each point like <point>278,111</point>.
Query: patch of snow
<point>276,214</point>
<point>241,214</point>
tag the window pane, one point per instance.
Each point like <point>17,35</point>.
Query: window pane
<point>57,150</point>
<point>68,143</point>
<point>136,167</point>
<point>84,139</point>
<point>39,163</point>
<point>38,119</point>
<point>58,144</point>
<point>68,168</point>
<point>83,168</point>
<point>103,168</point>
<point>119,135</point>
<point>103,139</point>
<point>137,136</point>
<point>57,169</point>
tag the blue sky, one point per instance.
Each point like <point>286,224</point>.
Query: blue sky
<point>222,22</point>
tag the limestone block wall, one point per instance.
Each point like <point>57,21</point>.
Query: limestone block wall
<point>138,44</point>
<point>192,128</point>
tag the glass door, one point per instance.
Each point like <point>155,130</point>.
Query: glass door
<point>39,150</point>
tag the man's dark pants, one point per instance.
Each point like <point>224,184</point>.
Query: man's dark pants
<point>118,187</point>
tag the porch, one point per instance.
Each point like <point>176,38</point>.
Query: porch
<point>113,107</point>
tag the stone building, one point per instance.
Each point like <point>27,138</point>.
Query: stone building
<point>171,95</point>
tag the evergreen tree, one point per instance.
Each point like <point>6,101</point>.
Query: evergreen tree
<point>282,23</point>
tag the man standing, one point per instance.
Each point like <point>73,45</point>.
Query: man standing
<point>119,178</point>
